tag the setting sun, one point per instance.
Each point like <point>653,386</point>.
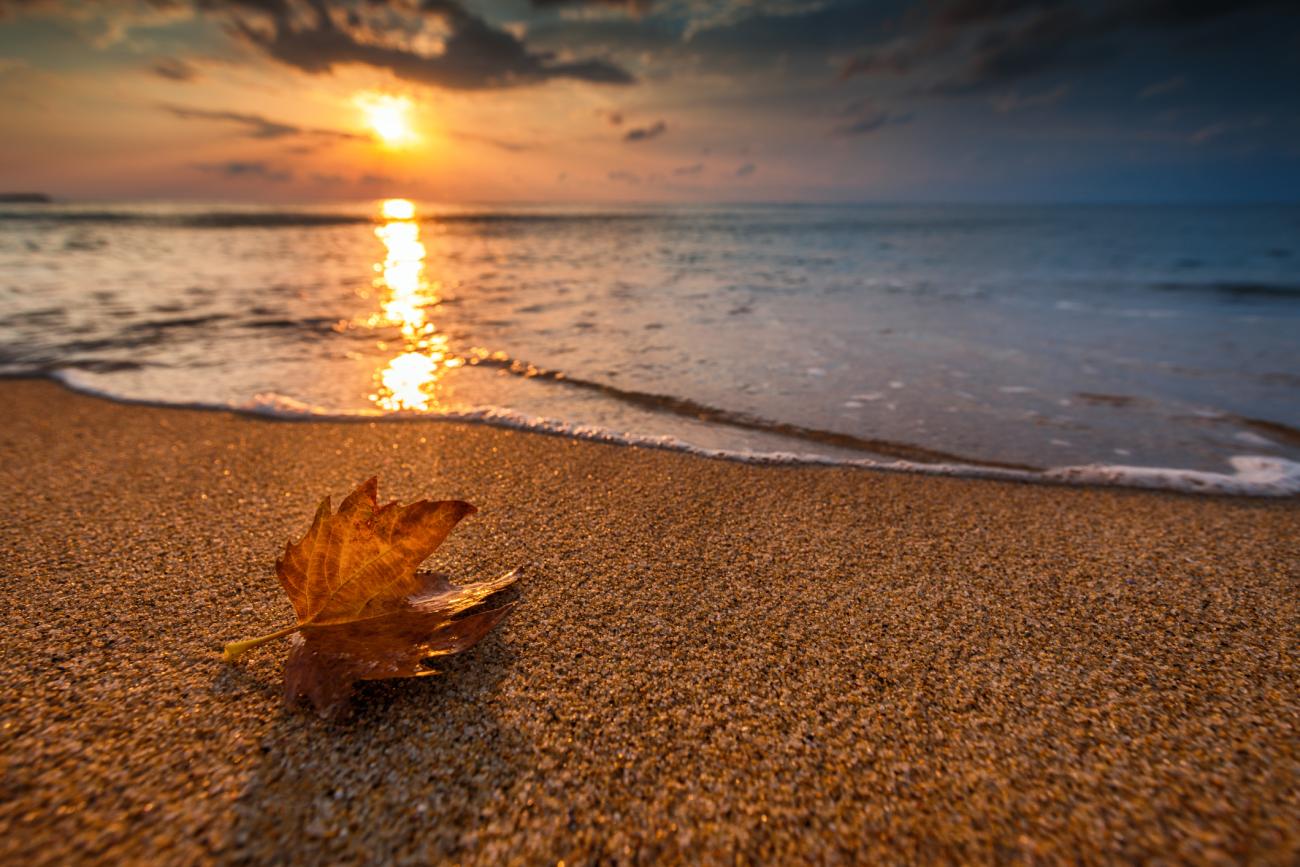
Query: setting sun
<point>388,117</point>
<point>397,209</point>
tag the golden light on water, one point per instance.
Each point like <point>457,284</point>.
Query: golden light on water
<point>403,276</point>
<point>408,381</point>
<point>403,382</point>
<point>388,117</point>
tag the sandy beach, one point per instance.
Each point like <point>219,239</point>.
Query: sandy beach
<point>710,662</point>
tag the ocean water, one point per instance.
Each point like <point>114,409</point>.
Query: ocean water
<point>1127,344</point>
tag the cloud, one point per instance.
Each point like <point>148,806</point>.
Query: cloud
<point>104,23</point>
<point>237,169</point>
<point>645,133</point>
<point>315,38</point>
<point>256,126</point>
<point>1044,40</point>
<point>615,118</point>
<point>894,58</point>
<point>174,69</point>
<point>1160,88</point>
<point>503,144</point>
<point>632,7</point>
<point>1015,101</point>
<point>973,45</point>
<point>625,177</point>
<point>1206,133</point>
<point>938,33</point>
<point>866,120</point>
<point>687,171</point>
<point>1217,130</point>
<point>746,170</point>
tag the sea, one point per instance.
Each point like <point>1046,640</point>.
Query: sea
<point>1154,346</point>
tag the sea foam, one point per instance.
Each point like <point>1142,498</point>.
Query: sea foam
<point>1252,476</point>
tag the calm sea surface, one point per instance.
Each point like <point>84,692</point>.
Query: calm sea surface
<point>990,337</point>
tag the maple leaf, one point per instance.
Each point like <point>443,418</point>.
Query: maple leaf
<point>363,611</point>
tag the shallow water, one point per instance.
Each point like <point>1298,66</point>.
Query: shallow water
<point>963,336</point>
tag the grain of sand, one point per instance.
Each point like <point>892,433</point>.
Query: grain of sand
<point>710,663</point>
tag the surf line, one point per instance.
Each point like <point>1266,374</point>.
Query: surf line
<point>687,408</point>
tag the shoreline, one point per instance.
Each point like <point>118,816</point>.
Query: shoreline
<point>710,661</point>
<point>1262,476</point>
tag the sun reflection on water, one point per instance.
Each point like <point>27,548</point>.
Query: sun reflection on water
<point>408,381</point>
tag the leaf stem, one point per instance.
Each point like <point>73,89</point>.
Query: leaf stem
<point>236,649</point>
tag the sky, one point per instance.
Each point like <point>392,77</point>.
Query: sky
<point>651,100</point>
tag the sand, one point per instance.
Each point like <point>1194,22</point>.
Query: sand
<point>710,662</point>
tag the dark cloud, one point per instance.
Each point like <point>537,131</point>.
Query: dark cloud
<point>625,177</point>
<point>256,126</point>
<point>632,7</point>
<point>1160,88</point>
<point>1016,101</point>
<point>935,34</point>
<point>757,34</point>
<point>746,170</point>
<point>687,171</point>
<point>502,144</point>
<point>316,36</point>
<point>1206,133</point>
<point>17,7</point>
<point>14,7</point>
<point>174,69</point>
<point>615,118</point>
<point>895,58</point>
<point>736,38</point>
<point>246,169</point>
<point>998,42</point>
<point>645,133</point>
<point>1224,128</point>
<point>1050,38</point>
<point>872,122</point>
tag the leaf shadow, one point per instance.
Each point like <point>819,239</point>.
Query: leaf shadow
<point>399,779</point>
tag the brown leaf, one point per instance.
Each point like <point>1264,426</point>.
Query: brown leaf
<point>363,611</point>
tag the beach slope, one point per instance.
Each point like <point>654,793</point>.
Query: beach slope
<point>710,662</point>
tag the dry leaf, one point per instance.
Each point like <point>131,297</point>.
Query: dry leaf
<point>364,613</point>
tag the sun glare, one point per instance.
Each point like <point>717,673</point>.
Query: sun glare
<point>398,209</point>
<point>410,380</point>
<point>388,117</point>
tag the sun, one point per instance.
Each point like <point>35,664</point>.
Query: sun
<point>388,117</point>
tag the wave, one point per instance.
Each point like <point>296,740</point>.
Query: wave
<point>687,408</point>
<point>778,221</point>
<point>293,219</point>
<point>1236,289</point>
<point>154,331</point>
<point>1251,476</point>
<point>216,220</point>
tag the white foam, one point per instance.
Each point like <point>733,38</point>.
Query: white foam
<point>282,406</point>
<point>1254,439</point>
<point>1253,475</point>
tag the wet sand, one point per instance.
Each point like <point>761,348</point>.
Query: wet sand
<point>711,662</point>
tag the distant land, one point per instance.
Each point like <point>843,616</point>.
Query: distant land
<point>25,198</point>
